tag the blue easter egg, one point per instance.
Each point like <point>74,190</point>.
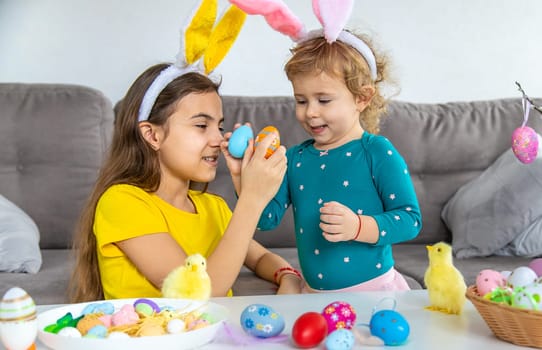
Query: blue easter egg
<point>340,339</point>
<point>390,326</point>
<point>98,331</point>
<point>105,307</point>
<point>261,321</point>
<point>238,142</point>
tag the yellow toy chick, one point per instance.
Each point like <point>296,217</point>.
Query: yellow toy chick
<point>189,281</point>
<point>445,284</point>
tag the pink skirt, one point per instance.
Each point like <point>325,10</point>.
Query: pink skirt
<point>391,280</point>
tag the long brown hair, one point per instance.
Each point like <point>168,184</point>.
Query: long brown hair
<point>344,62</point>
<point>131,160</point>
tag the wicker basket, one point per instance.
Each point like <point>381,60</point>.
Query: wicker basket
<point>517,326</point>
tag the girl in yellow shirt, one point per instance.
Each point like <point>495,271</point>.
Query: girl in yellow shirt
<point>145,215</point>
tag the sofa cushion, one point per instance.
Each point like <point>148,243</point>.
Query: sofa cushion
<point>52,142</point>
<point>19,240</point>
<point>448,144</point>
<point>498,212</point>
<point>49,286</point>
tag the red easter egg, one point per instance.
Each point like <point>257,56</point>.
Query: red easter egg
<point>262,134</point>
<point>525,144</point>
<point>339,314</point>
<point>309,330</point>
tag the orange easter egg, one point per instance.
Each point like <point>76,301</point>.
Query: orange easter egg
<point>263,133</point>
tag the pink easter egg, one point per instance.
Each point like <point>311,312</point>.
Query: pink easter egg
<point>125,316</point>
<point>525,144</point>
<point>339,314</point>
<point>536,266</point>
<point>487,280</point>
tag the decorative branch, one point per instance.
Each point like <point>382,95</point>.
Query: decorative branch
<point>533,105</point>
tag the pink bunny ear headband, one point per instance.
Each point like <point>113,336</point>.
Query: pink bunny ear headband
<point>332,14</point>
<point>203,46</point>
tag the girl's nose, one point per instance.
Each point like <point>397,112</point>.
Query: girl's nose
<point>216,138</point>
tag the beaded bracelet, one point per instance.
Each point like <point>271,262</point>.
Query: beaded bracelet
<point>285,270</point>
<point>359,228</point>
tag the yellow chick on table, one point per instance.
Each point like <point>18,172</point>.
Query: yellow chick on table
<point>189,281</point>
<point>445,284</point>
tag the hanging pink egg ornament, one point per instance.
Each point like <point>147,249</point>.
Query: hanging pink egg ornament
<point>536,266</point>
<point>525,144</point>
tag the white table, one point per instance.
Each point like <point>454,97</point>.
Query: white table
<point>428,329</point>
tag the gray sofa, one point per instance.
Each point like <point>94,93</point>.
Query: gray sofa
<point>53,139</point>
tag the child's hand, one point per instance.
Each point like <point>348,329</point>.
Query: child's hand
<point>338,222</point>
<point>261,177</point>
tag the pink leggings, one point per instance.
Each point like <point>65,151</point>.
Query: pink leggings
<point>391,280</point>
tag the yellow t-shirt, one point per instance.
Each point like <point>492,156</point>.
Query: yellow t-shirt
<point>126,211</point>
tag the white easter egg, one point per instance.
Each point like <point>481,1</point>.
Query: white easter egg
<point>18,324</point>
<point>506,274</point>
<point>70,332</point>
<point>521,277</point>
<point>176,326</point>
<point>529,297</point>
<point>118,335</point>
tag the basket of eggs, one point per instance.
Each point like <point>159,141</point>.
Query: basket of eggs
<point>511,303</point>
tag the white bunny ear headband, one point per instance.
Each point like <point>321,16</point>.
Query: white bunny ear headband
<point>203,46</point>
<point>332,14</point>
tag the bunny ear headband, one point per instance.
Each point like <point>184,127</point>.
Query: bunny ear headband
<point>332,14</point>
<point>200,38</point>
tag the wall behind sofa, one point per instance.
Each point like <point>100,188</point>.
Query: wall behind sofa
<point>443,50</point>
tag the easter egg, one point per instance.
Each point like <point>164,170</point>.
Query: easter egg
<point>529,297</point>
<point>339,314</point>
<point>536,266</point>
<point>487,280</point>
<point>18,325</point>
<point>309,330</point>
<point>261,321</point>
<point>238,141</point>
<point>341,339</point>
<point>118,335</point>
<point>390,326</point>
<point>98,331</point>
<point>70,332</point>
<point>175,326</point>
<point>525,144</point>
<point>262,134</point>
<point>506,274</point>
<point>146,307</point>
<point>93,308</point>
<point>521,276</point>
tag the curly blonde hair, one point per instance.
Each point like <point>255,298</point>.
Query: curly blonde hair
<point>344,62</point>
